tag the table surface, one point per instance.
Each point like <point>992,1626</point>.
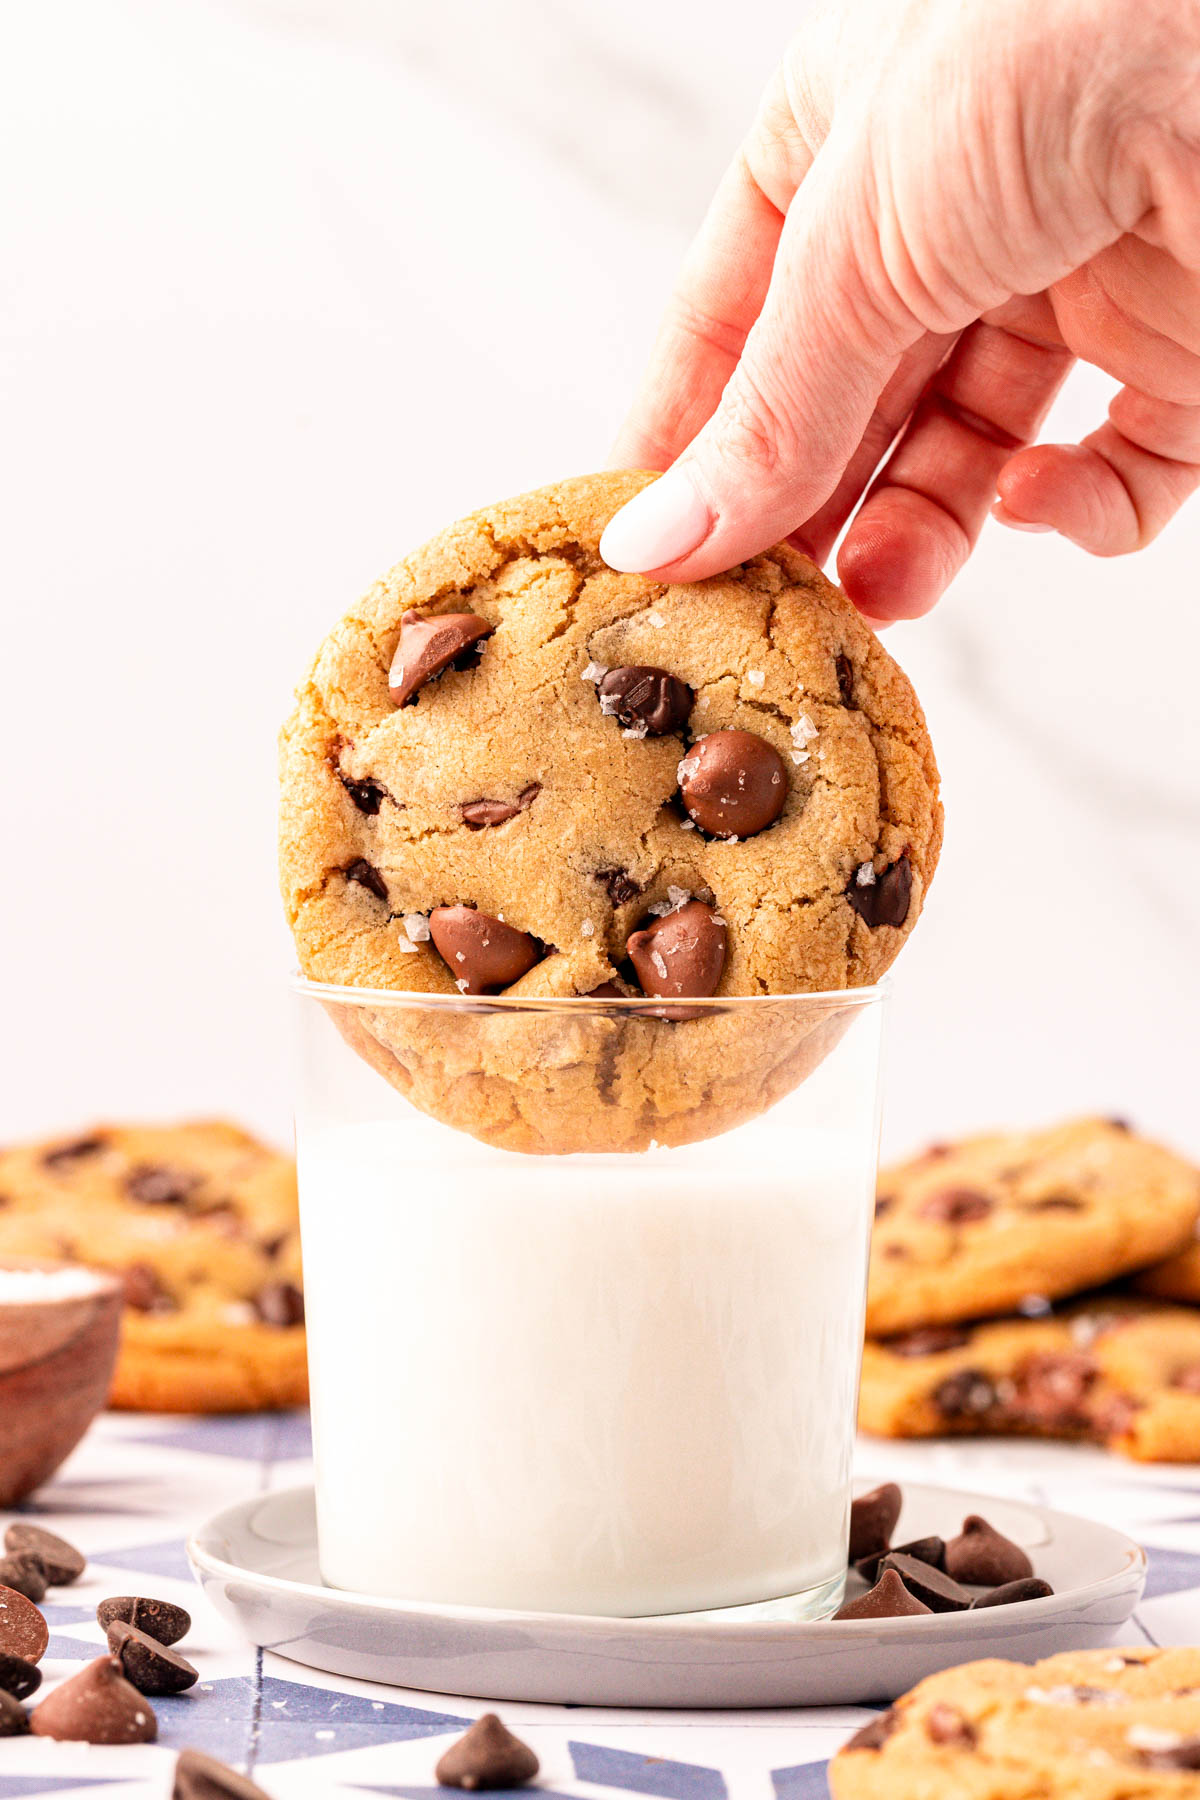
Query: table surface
<point>138,1485</point>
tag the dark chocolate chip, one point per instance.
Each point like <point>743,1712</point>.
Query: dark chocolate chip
<point>733,784</point>
<point>875,1734</point>
<point>143,1290</point>
<point>1183,1755</point>
<point>74,1151</point>
<point>929,1340</point>
<point>151,1184</point>
<point>681,953</point>
<point>64,1563</point>
<point>890,1598</point>
<point>18,1678</point>
<point>368,876</point>
<point>165,1623</point>
<point>885,900</point>
<point>931,1550</point>
<point>149,1665</point>
<point>845,679</point>
<point>967,1394</point>
<point>643,695</point>
<point>873,1519</point>
<point>1010,1592</point>
<point>946,1725</point>
<point>957,1206</point>
<point>427,646</point>
<point>25,1572</point>
<point>1052,1388</point>
<point>280,1303</point>
<point>14,1720</point>
<point>96,1706</point>
<point>367,795</point>
<point>982,1557</point>
<point>487,1756</point>
<point>936,1591</point>
<point>618,885</point>
<point>483,954</point>
<point>1187,1379</point>
<point>201,1777</point>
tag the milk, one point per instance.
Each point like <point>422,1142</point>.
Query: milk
<point>601,1384</point>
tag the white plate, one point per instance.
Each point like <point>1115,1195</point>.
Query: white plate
<point>257,1562</point>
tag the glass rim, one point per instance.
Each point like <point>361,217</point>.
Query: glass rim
<point>633,1006</point>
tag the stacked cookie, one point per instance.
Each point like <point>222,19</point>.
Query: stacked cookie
<point>992,1308</point>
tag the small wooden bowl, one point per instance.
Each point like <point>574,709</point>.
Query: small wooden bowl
<point>57,1352</point>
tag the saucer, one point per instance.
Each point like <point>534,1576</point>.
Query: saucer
<point>257,1562</point>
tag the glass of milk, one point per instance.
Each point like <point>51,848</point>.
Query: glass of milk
<point>616,1382</point>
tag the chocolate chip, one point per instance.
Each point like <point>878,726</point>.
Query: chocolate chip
<point>935,1590</point>
<point>201,1777</point>
<point>643,695</point>
<point>368,876</point>
<point>890,1598</point>
<point>18,1678</point>
<point>165,1623</point>
<point>1187,1379</point>
<point>946,1725</point>
<point>97,1706</point>
<point>23,1631</point>
<point>1055,1203</point>
<point>682,953</point>
<point>931,1550</point>
<point>1183,1755</point>
<point>1118,1123</point>
<point>150,1666</point>
<point>64,1563</point>
<point>873,1519</point>
<point>1112,1415</point>
<point>427,646</point>
<point>619,886</point>
<point>929,1340</point>
<point>14,1721</point>
<point>885,900</point>
<point>143,1290</point>
<point>25,1573</point>
<point>981,1557</point>
<point>1052,1388</point>
<point>733,784</point>
<point>280,1303</point>
<point>608,990</point>
<point>845,679</point>
<point>476,814</point>
<point>150,1184</point>
<point>74,1151</point>
<point>967,1394</point>
<point>1010,1592</point>
<point>884,1204</point>
<point>875,1734</point>
<point>487,1756</point>
<point>367,795</point>
<point>957,1206</point>
<point>483,954</point>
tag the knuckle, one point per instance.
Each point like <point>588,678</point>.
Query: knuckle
<point>752,429</point>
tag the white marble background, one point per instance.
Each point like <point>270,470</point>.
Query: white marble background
<point>287,284</point>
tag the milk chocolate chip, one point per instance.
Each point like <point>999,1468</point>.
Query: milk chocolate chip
<point>931,1550</point>
<point>25,1572</point>
<point>165,1623</point>
<point>23,1631</point>
<point>97,1706</point>
<point>873,1519</point>
<point>875,1734</point>
<point>201,1777</point>
<point>935,1590</point>
<point>427,646</point>
<point>483,954</point>
<point>946,1725</point>
<point>14,1721</point>
<point>487,1756</point>
<point>883,900</point>
<point>64,1563</point>
<point>681,954</point>
<point>150,1666</point>
<point>981,1557</point>
<point>1010,1592</point>
<point>890,1598</point>
<point>642,695</point>
<point>956,1206</point>
<point>280,1303</point>
<point>477,814</point>
<point>18,1677</point>
<point>733,784</point>
<point>151,1184</point>
<point>929,1340</point>
<point>143,1291</point>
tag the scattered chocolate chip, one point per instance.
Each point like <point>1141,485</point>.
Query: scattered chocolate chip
<point>682,953</point>
<point>368,876</point>
<point>936,1591</point>
<point>885,900</point>
<point>201,1777</point>
<point>23,1631</point>
<point>280,1303</point>
<point>946,1725</point>
<point>14,1721</point>
<point>150,1666</point>
<point>733,784</point>
<point>608,990</point>
<point>931,1550</point>
<point>642,695</point>
<point>74,1151</point>
<point>875,1734</point>
<point>619,886</point>
<point>1187,1379</point>
<point>890,1598</point>
<point>150,1184</point>
<point>143,1290</point>
<point>96,1706</point>
<point>165,1623</point>
<point>967,1394</point>
<point>427,646</point>
<point>845,679</point>
<point>487,1756</point>
<point>18,1677</point>
<point>1183,1755</point>
<point>483,954</point>
<point>367,795</point>
<point>24,1572</point>
<point>982,1557</point>
<point>929,1340</point>
<point>1010,1592</point>
<point>1056,1203</point>
<point>1118,1123</point>
<point>884,1204</point>
<point>64,1563</point>
<point>1052,1388</point>
<point>957,1206</point>
<point>873,1519</point>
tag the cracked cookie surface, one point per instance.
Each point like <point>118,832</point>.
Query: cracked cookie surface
<point>537,779</point>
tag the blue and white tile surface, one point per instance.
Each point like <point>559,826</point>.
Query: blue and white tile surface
<point>138,1485</point>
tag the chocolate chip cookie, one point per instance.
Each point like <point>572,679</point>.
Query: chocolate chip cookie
<point>1176,1279</point>
<point>977,1227</point>
<point>1115,1370</point>
<point>515,772</point>
<point>201,1219</point>
<point>1107,1724</point>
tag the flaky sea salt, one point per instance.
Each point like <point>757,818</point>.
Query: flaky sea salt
<point>656,619</point>
<point>864,875</point>
<point>1033,1306</point>
<point>416,927</point>
<point>1152,1737</point>
<point>19,1286</point>
<point>462,985</point>
<point>587,928</point>
<point>636,731</point>
<point>405,948</point>
<point>594,672</point>
<point>799,756</point>
<point>676,897</point>
<point>1066,1695</point>
<point>802,730</point>
<point>660,967</point>
<point>755,677</point>
<point>687,768</point>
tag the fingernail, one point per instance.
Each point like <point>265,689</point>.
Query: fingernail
<point>665,521</point>
<point>1002,516</point>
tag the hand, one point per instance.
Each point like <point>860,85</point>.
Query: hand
<point>941,204</point>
